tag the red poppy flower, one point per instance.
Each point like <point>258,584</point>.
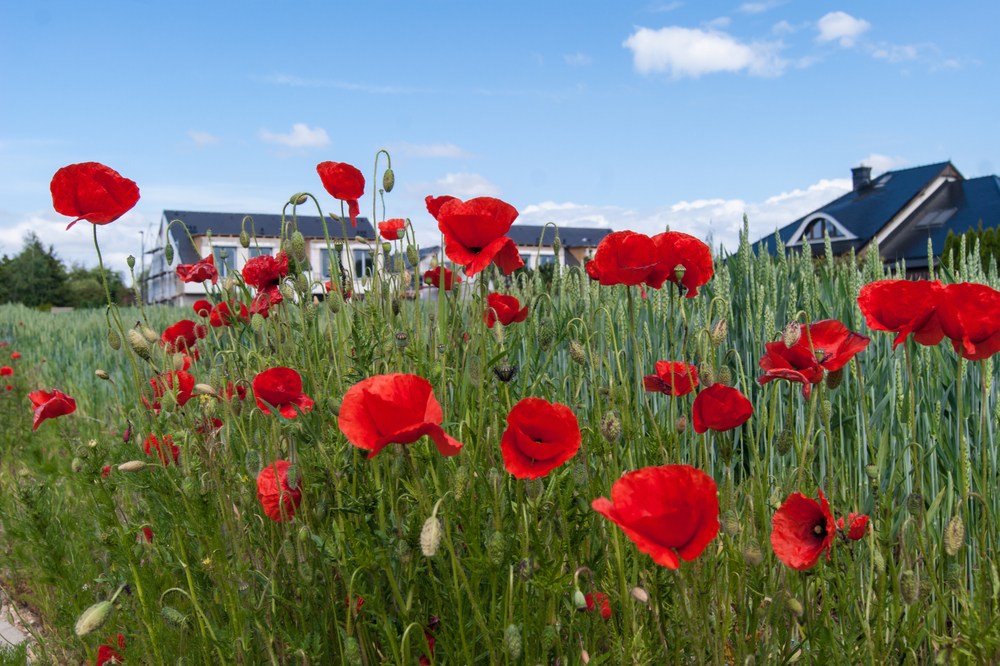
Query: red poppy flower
<point>393,409</point>
<point>206,425</point>
<point>15,355</point>
<point>857,525</point>
<point>625,257</point>
<point>475,232</point>
<point>261,304</point>
<point>503,308</point>
<point>202,308</point>
<point>224,314</point>
<point>93,192</point>
<point>9,387</point>
<point>265,273</point>
<point>239,389</point>
<point>904,307</point>
<point>105,471</point>
<point>358,605</point>
<point>429,636</point>
<point>667,511</point>
<point>801,530</point>
<point>179,382</point>
<point>433,277</point>
<point>796,364</point>
<point>675,249</point>
<point>720,408</point>
<point>106,654</point>
<point>970,316</point>
<point>50,405</point>
<point>6,371</point>
<point>282,389</point>
<point>839,344</point>
<point>180,337</point>
<point>392,229</point>
<point>343,182</point>
<point>147,534</point>
<point>199,272</point>
<point>275,495</point>
<point>593,272</point>
<point>152,443</point>
<point>3,344</point>
<point>539,437</point>
<point>672,378</point>
<point>336,287</point>
<point>599,598</point>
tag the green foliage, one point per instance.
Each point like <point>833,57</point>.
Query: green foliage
<point>988,242</point>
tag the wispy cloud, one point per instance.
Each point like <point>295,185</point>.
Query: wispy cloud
<point>758,7</point>
<point>462,185</point>
<point>882,163</point>
<point>430,150</point>
<point>693,52</point>
<point>202,138</point>
<point>300,82</point>
<point>577,59</point>
<point>840,26</point>
<point>786,28</point>
<point>300,137</point>
<point>721,22</point>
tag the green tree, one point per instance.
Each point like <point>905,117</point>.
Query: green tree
<point>36,276</point>
<point>86,287</point>
<point>4,287</point>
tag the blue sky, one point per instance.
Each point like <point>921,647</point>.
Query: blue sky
<point>623,114</point>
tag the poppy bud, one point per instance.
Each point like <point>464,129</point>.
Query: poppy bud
<point>577,353</point>
<point>168,251</point>
<point>403,551</point>
<point>611,427</point>
<point>827,408</point>
<point>244,239</point>
<point>549,636</point>
<point>774,501</point>
<point>305,572</point>
<point>302,283</point>
<point>730,523</point>
<point>474,369</point>
<point>706,376</point>
<point>512,639</point>
<point>718,332</point>
<point>76,465</point>
<point>619,395</point>
<point>93,618</point>
<point>101,374</point>
<point>298,246</point>
<point>388,180</point>
<point>114,340</point>
<point>173,617</point>
<point>580,474</point>
<point>640,595</point>
<point>679,271</point>
<point>752,553</point>
<point>525,568</point>
<point>460,482</point>
<point>299,199</point>
<point>681,425</point>
<point>584,656</point>
<point>412,255</point>
<point>725,376</point>
<point>954,536</point>
<point>496,548</point>
<point>835,379</point>
<point>505,372</point>
<point>871,470</point>
<point>149,334</point>
<point>287,291</point>
<point>546,334</point>
<point>293,476</point>
<point>784,442</point>
<point>132,466</point>
<point>794,606</point>
<point>533,488</point>
<point>130,260</point>
<point>288,550</point>
<point>579,600</point>
<point>494,478</point>
<point>205,389</point>
<point>953,577</point>
<point>791,334</point>
<point>909,587</point>
<point>352,651</point>
<point>333,302</point>
<point>878,561</point>
<point>189,487</point>
<point>252,462</point>
<point>257,322</point>
<point>430,536</point>
<point>915,504</point>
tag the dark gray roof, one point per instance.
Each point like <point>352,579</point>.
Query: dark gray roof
<point>866,210</point>
<point>977,200</point>
<point>229,224</point>
<point>527,234</point>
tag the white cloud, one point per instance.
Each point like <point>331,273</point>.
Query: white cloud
<point>203,138</point>
<point>842,26</point>
<point>466,186</point>
<point>430,150</point>
<point>577,59</point>
<point>693,52</point>
<point>721,22</point>
<point>300,137</point>
<point>758,7</point>
<point>722,219</point>
<point>947,64</point>
<point>786,28</point>
<point>881,163</point>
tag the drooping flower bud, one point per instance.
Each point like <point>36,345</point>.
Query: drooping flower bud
<point>878,561</point>
<point>252,462</point>
<point>784,442</point>
<point>915,504</point>
<point>835,379</point>
<point>718,332</point>
<point>287,291</point>
<point>706,375</point>
<point>114,340</point>
<point>681,425</point>
<point>151,336</point>
<point>132,466</point>
<point>288,550</point>
<point>460,482</point>
<point>257,322</point>
<point>752,553</point>
<point>244,239</point>
<point>512,639</point>
<point>794,606</point>
<point>76,465</point>
<point>333,302</point>
<point>577,353</point>
<point>639,595</point>
<point>730,523</point>
<point>93,618</point>
<point>549,637</point>
<point>173,617</point>
<point>954,535</point>
<point>430,536</point>
<point>579,600</point>
<point>827,409</point>
<point>205,389</point>
<point>791,334</point>
<point>611,427</point>
<point>953,577</point>
<point>546,334</point>
<point>101,374</point>
<point>412,255</point>
<point>909,587</point>
<point>168,252</point>
<point>580,474</point>
<point>725,376</point>
<point>352,652</point>
<point>474,370</point>
<point>388,180</point>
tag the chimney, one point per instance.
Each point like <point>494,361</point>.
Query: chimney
<point>862,176</point>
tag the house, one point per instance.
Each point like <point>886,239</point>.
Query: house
<point>163,286</point>
<point>901,210</point>
<point>536,251</point>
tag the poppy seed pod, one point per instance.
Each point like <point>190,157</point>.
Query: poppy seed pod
<point>388,180</point>
<point>784,441</point>
<point>402,340</point>
<point>505,372</point>
<point>132,466</point>
<point>681,425</point>
<point>679,271</point>
<point>168,252</point>
<point>706,375</point>
<point>114,340</point>
<point>130,260</point>
<point>871,470</point>
<point>577,353</point>
<point>730,523</point>
<point>791,333</point>
<point>496,549</point>
<point>909,587</point>
<point>512,639</point>
<point>430,536</point>
<point>954,536</point>
<point>835,379</point>
<point>611,427</point>
<point>386,247</point>
<point>718,332</point>
<point>725,376</point>
<point>794,606</point>
<point>752,553</point>
<point>101,374</point>
<point>244,239</point>
<point>93,618</point>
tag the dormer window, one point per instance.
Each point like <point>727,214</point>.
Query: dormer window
<point>814,232</point>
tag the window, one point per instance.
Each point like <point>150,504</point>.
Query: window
<point>225,259</point>
<point>526,258</point>
<point>260,251</point>
<point>364,263</point>
<point>814,232</point>
<point>324,263</point>
<point>546,259</point>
